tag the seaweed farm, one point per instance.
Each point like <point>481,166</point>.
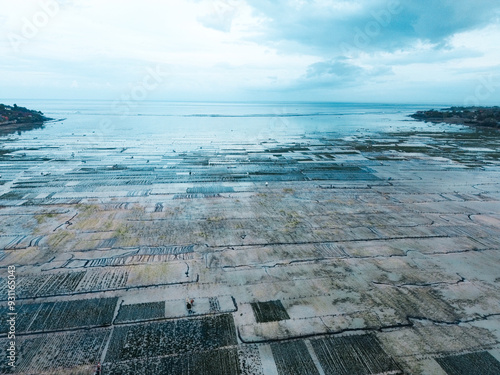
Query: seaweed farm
<point>251,240</point>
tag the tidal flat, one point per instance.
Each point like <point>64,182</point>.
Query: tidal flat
<point>304,252</point>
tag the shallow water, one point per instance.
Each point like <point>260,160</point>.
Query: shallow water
<point>157,124</point>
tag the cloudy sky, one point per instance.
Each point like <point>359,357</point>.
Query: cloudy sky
<point>413,51</point>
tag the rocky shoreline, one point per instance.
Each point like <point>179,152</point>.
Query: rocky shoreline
<point>473,116</point>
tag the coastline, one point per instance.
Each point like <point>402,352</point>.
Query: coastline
<point>484,117</point>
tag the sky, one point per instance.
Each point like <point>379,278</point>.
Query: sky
<point>391,51</point>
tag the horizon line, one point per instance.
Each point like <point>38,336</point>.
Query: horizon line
<point>249,101</point>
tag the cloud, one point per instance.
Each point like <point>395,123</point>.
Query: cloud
<point>370,25</point>
<point>438,20</point>
<point>426,54</point>
<point>340,69</point>
<point>337,73</point>
<point>219,16</point>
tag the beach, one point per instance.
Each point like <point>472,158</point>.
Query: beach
<point>312,238</point>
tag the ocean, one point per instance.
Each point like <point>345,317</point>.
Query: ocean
<point>156,123</point>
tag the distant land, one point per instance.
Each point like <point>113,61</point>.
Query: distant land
<point>15,118</point>
<point>20,115</point>
<point>474,116</point>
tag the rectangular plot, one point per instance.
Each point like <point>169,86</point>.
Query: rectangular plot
<point>342,176</point>
<point>49,316</point>
<point>330,250</point>
<point>213,362</point>
<point>270,311</point>
<point>470,364</point>
<point>202,306</point>
<point>353,355</point>
<point>171,337</point>
<point>138,193</point>
<point>44,352</point>
<point>102,262</point>
<point>195,196</point>
<point>60,283</point>
<point>166,250</point>
<point>103,280</point>
<point>30,286</point>
<point>141,312</point>
<point>212,189</point>
<point>107,243</point>
<point>408,301</point>
<point>39,202</point>
<point>293,358</point>
<point>275,177</point>
<point>13,194</point>
<point>128,260</point>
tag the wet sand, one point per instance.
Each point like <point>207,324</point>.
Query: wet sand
<point>314,256</point>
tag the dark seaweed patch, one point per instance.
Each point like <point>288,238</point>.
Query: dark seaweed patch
<point>287,176</point>
<point>270,311</point>
<point>103,280</point>
<point>145,255</point>
<point>342,176</point>
<point>284,149</point>
<point>141,312</point>
<point>214,305</point>
<point>353,355</point>
<point>211,189</point>
<point>194,196</point>
<point>30,286</point>
<point>171,337</point>
<point>47,285</point>
<point>136,259</point>
<point>14,195</point>
<point>48,316</point>
<point>42,352</point>
<point>166,250</point>
<point>293,358</point>
<point>213,362</point>
<point>470,364</point>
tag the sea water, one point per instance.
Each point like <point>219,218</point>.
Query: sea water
<point>152,124</point>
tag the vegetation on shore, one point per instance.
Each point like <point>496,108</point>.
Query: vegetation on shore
<point>475,116</point>
<point>20,115</point>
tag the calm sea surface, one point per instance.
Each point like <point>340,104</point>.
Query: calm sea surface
<point>187,126</point>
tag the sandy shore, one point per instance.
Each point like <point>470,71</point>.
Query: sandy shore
<point>320,256</point>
